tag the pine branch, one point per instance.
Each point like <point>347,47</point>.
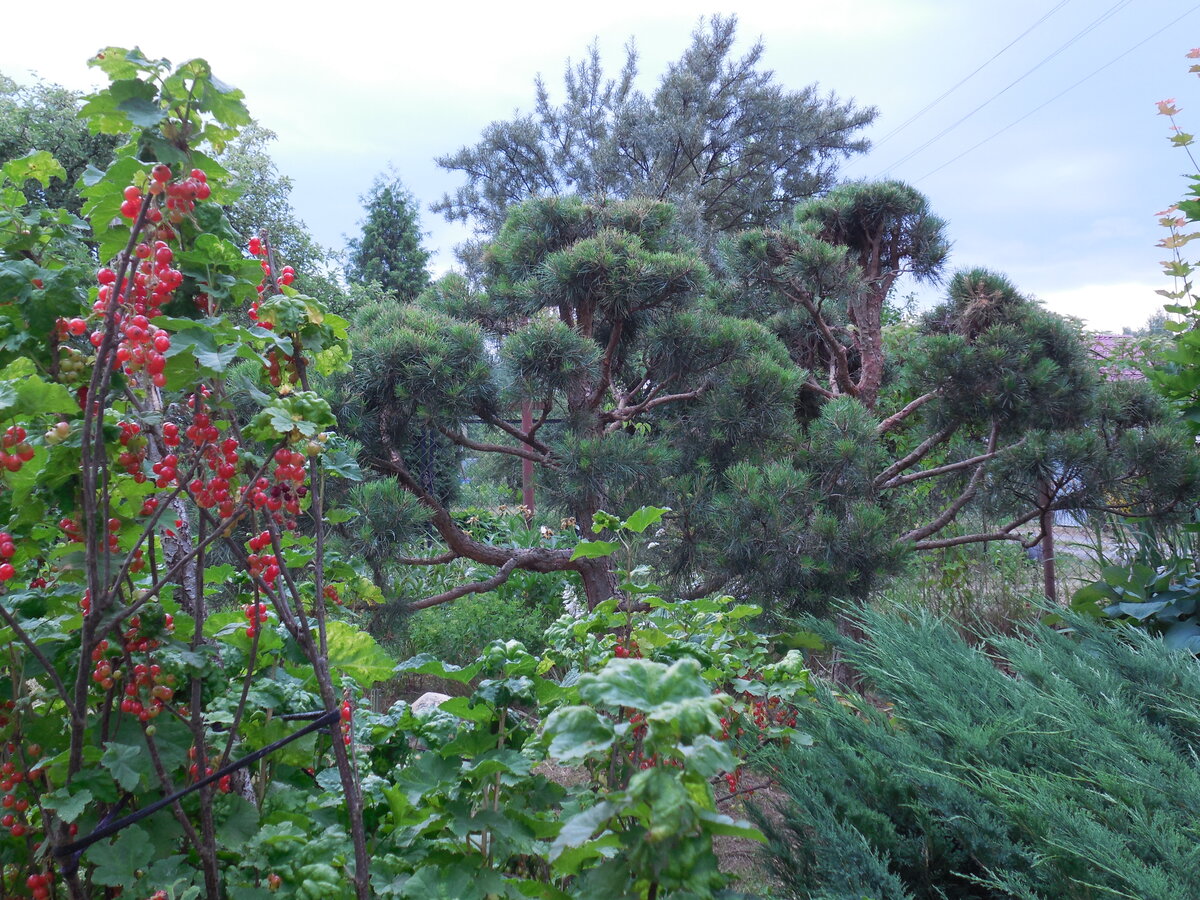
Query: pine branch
<point>912,406</point>
<point>1004,534</point>
<point>475,587</point>
<point>949,467</point>
<point>463,441</point>
<point>841,360</point>
<point>914,457</point>
<point>959,502</point>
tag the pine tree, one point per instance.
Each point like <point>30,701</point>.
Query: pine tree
<point>389,251</point>
<point>601,320</point>
<point>719,138</point>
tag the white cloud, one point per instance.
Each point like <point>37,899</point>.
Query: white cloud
<point>1107,307</point>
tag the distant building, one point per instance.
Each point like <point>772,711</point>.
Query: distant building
<point>1119,356</point>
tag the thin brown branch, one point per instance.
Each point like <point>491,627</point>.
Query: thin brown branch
<point>949,467</point>
<point>547,405</point>
<point>616,417</point>
<point>33,648</point>
<point>909,408</point>
<point>513,431</point>
<point>1004,534</point>
<point>841,360</point>
<point>922,450</point>
<point>474,587</point>
<point>463,441</point>
<point>951,511</point>
<point>811,385</point>
<point>606,364</point>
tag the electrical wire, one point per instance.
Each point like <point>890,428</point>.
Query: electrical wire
<point>1095,23</point>
<point>1066,90</point>
<point>991,59</point>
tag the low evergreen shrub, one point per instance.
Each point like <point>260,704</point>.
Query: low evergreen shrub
<point>1057,764</point>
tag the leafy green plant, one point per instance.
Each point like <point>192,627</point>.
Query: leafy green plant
<point>151,743</point>
<point>1161,599</point>
<point>640,704</point>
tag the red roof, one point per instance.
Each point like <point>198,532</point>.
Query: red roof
<point>1120,356</point>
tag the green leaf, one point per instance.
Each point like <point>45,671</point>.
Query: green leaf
<point>510,762</point>
<point>643,684</point>
<point>40,165</point>
<point>428,664</point>
<point>127,764</point>
<point>69,806</point>
<point>118,861</point>
<point>576,732</point>
<point>580,827</point>
<point>594,549</point>
<point>717,823</point>
<point>645,517</point>
<point>571,859</point>
<point>708,757</point>
<point>356,654</point>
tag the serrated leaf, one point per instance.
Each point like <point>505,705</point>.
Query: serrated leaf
<point>645,517</point>
<point>39,165</point>
<point>118,861</point>
<point>594,549</point>
<point>580,827</point>
<point>127,764</point>
<point>68,805</point>
<point>428,664</point>
<point>644,684</point>
<point>576,732</point>
<point>354,653</point>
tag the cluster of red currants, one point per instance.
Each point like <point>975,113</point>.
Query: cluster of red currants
<point>16,452</point>
<point>262,564</point>
<point>12,777</point>
<point>39,884</point>
<point>8,549</point>
<point>181,196</point>
<point>148,692</point>
<point>347,721</point>
<point>282,498</point>
<point>257,614</point>
<point>133,452</point>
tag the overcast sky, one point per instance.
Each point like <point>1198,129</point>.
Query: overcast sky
<point>1062,199</point>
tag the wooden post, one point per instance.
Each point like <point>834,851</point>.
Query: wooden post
<point>527,464</point>
<point>1049,580</point>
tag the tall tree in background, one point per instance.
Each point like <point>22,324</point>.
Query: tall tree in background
<point>719,138</point>
<point>46,117</point>
<point>389,252</point>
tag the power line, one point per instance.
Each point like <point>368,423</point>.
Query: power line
<point>928,106</point>
<point>1103,17</point>
<point>1059,94</point>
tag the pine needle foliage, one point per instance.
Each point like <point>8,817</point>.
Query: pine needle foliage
<point>1056,765</point>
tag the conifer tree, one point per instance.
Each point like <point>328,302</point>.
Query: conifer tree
<point>991,405</point>
<point>601,320</point>
<point>719,138</point>
<point>389,250</point>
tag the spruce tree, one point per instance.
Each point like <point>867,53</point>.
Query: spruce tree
<point>389,250</point>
